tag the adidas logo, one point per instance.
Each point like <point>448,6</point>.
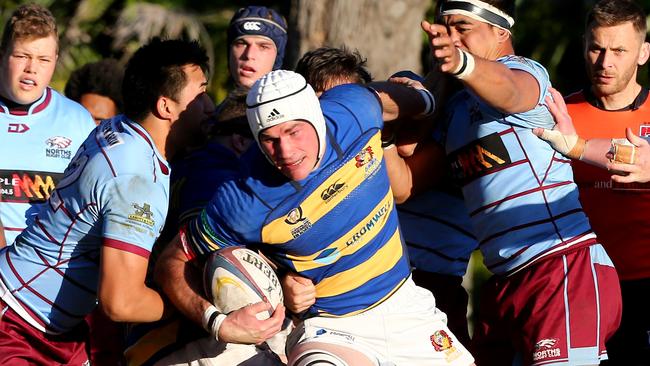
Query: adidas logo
<point>274,115</point>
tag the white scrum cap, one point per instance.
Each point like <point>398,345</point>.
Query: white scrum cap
<point>282,96</point>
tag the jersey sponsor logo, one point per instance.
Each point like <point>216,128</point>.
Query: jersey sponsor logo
<point>17,128</point>
<point>252,26</point>
<point>142,214</point>
<point>274,115</point>
<point>27,187</point>
<point>479,158</point>
<point>331,191</point>
<point>370,225</point>
<point>546,348</point>
<point>294,217</point>
<point>57,147</point>
<point>644,130</point>
<point>108,134</point>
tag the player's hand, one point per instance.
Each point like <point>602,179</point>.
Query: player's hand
<point>639,171</point>
<point>242,325</point>
<point>444,51</point>
<point>299,292</point>
<point>563,137</point>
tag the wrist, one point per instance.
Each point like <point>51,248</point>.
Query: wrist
<point>212,320</point>
<point>429,102</point>
<point>388,142</point>
<point>466,65</point>
<point>578,150</point>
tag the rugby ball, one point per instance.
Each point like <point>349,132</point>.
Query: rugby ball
<point>234,277</point>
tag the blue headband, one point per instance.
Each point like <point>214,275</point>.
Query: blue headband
<point>260,21</point>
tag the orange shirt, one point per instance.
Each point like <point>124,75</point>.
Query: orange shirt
<point>619,213</point>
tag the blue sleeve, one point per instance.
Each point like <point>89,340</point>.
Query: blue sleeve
<point>352,104</point>
<point>538,116</point>
<point>133,210</point>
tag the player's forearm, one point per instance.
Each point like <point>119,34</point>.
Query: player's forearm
<point>181,282</point>
<point>596,151</point>
<point>399,101</point>
<point>502,88</point>
<point>399,174</point>
<point>142,306</point>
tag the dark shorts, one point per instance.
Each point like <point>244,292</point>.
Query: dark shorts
<point>23,345</point>
<point>560,310</point>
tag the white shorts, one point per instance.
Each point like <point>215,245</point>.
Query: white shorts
<point>208,352</point>
<point>406,329</point>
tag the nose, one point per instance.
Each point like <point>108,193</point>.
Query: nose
<point>29,66</point>
<point>605,59</point>
<point>283,149</point>
<point>455,36</point>
<point>250,52</point>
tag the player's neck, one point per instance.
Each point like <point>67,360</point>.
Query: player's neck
<point>158,130</point>
<point>621,99</point>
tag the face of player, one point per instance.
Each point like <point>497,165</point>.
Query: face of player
<point>251,57</point>
<point>193,106</point>
<point>27,69</point>
<point>292,146</point>
<point>612,56</point>
<point>478,38</point>
<point>99,106</point>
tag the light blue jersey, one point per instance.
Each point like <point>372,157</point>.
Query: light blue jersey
<point>518,191</point>
<point>36,145</point>
<point>115,193</point>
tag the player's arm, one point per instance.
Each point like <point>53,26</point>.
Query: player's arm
<point>403,98</point>
<point>510,91</point>
<point>181,279</point>
<point>123,295</point>
<point>416,173</point>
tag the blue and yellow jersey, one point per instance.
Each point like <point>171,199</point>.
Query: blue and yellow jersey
<point>337,227</point>
<point>519,192</point>
<point>114,193</point>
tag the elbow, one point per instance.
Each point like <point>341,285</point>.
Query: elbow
<point>117,310</point>
<point>400,196</point>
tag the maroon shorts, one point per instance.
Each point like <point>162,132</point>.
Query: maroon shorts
<point>23,345</point>
<point>560,310</point>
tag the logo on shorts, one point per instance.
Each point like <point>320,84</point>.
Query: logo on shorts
<point>294,217</point>
<point>546,348</point>
<point>142,214</point>
<point>442,342</point>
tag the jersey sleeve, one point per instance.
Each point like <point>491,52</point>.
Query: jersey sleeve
<point>538,116</point>
<point>133,211</point>
<point>221,224</point>
<point>352,105</point>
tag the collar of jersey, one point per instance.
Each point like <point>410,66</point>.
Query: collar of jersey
<point>28,109</point>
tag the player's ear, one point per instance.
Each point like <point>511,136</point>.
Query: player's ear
<point>164,109</point>
<point>502,34</point>
<point>644,53</point>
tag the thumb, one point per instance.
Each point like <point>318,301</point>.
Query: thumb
<point>631,137</point>
<point>540,132</point>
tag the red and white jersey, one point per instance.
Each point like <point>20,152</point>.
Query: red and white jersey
<point>617,212</point>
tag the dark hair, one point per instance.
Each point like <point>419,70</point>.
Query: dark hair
<point>103,77</point>
<point>30,21</point>
<point>608,13</point>
<point>328,66</point>
<point>231,115</point>
<point>156,70</point>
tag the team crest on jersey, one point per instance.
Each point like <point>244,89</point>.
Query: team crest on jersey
<point>442,342</point>
<point>479,158</point>
<point>142,214</point>
<point>644,130</point>
<point>366,159</point>
<point>57,147</point>
<point>294,217</point>
<point>546,348</point>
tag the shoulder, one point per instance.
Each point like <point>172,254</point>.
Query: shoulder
<point>76,114</point>
<point>352,103</point>
<point>525,64</point>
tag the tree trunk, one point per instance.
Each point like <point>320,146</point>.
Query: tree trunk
<point>386,32</point>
